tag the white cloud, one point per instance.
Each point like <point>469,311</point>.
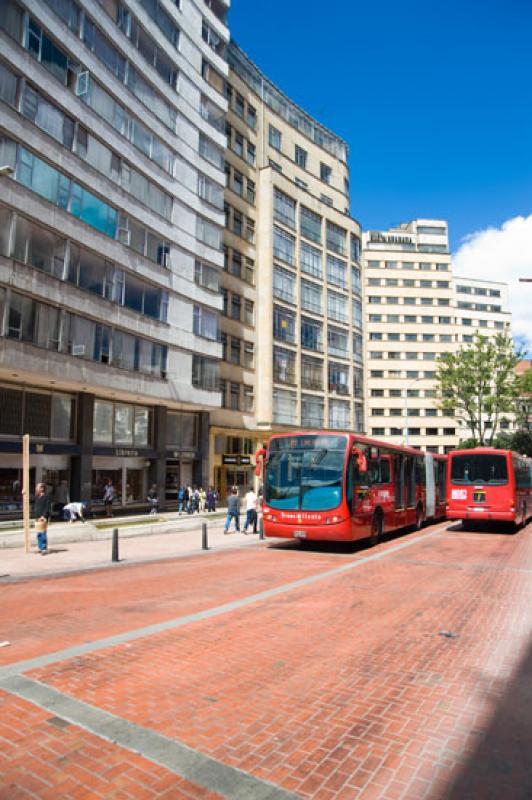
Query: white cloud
<point>503,254</point>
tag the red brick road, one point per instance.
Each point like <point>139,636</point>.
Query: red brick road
<point>341,688</point>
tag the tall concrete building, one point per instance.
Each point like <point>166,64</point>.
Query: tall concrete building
<point>112,130</point>
<point>292,318</point>
<point>415,311</point>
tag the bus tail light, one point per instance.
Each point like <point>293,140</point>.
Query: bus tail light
<point>331,520</point>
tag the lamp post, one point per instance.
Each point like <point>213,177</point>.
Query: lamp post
<point>406,407</point>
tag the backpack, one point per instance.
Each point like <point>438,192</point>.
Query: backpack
<point>181,495</point>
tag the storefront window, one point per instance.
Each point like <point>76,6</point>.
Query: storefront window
<point>123,424</point>
<point>100,478</point>
<point>134,485</point>
<point>103,422</point>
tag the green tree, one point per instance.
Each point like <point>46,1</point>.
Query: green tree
<point>478,384</point>
<point>526,382</point>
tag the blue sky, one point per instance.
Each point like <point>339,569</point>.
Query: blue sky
<point>433,99</point>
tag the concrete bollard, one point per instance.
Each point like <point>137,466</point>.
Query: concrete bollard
<point>204,540</point>
<point>114,555</point>
<point>261,528</point>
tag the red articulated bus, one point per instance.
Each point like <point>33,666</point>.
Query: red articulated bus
<point>489,484</point>
<point>324,486</point>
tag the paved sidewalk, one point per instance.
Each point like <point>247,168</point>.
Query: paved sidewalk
<point>136,545</point>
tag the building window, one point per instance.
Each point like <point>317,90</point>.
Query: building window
<point>336,237</point>
<point>338,414</point>
<point>284,208</point>
<point>311,260</point>
<point>248,355</point>
<point>284,246</point>
<point>337,272</point>
<point>311,297</point>
<point>325,173</point>
<point>311,411</point>
<point>249,312</point>
<point>337,342</point>
<point>236,346</point>
<point>251,117</point>
<point>274,137</point>
<point>300,157</point>
<point>311,373</point>
<point>310,224</point>
<point>205,373</point>
<point>284,365</point>
<point>236,304</point>
<point>206,276</point>
<point>283,284</point>
<point>284,407</point>
<point>205,323</point>
<point>238,144</point>
<point>338,378</point>
<point>248,399</point>
<point>337,307</point>
<point>311,334</point>
<point>284,324</point>
<point>235,397</point>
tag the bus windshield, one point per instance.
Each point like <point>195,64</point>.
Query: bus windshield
<point>305,473</point>
<point>479,468</point>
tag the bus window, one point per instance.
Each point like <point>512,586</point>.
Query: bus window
<point>399,466</point>
<point>410,466</point>
<point>479,468</point>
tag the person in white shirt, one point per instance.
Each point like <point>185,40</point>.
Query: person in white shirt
<point>73,511</point>
<point>251,510</point>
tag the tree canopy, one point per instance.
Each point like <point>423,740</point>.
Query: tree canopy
<point>478,384</point>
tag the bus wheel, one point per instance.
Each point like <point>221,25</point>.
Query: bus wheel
<point>377,528</point>
<point>419,518</point>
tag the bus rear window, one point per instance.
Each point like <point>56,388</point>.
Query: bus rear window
<point>479,468</point>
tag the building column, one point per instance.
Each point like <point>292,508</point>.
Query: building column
<point>157,472</point>
<point>201,466</point>
<point>81,465</point>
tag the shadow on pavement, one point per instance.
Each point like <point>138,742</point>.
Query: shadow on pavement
<point>500,766</point>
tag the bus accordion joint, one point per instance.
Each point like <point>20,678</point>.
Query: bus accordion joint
<point>260,454</point>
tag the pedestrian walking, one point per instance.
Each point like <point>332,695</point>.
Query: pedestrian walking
<point>74,511</point>
<point>211,499</point>
<point>182,500</point>
<point>202,499</point>
<point>153,499</point>
<point>233,510</point>
<point>108,497</point>
<point>251,510</point>
<point>195,502</point>
<point>190,494</point>
<point>42,511</point>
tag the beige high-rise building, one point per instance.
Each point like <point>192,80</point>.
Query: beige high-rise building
<point>416,310</point>
<point>292,323</point>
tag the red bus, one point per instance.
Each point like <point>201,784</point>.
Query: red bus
<point>489,484</point>
<point>342,487</point>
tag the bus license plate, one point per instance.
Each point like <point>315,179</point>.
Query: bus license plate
<point>300,534</point>
<point>479,509</point>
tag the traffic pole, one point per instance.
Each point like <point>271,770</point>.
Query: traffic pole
<point>114,555</point>
<point>204,540</point>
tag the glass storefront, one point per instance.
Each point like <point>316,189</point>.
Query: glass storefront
<point>129,477</point>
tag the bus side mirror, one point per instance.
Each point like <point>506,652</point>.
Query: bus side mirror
<point>362,462</point>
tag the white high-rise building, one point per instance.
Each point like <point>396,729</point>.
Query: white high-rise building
<point>415,311</point>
